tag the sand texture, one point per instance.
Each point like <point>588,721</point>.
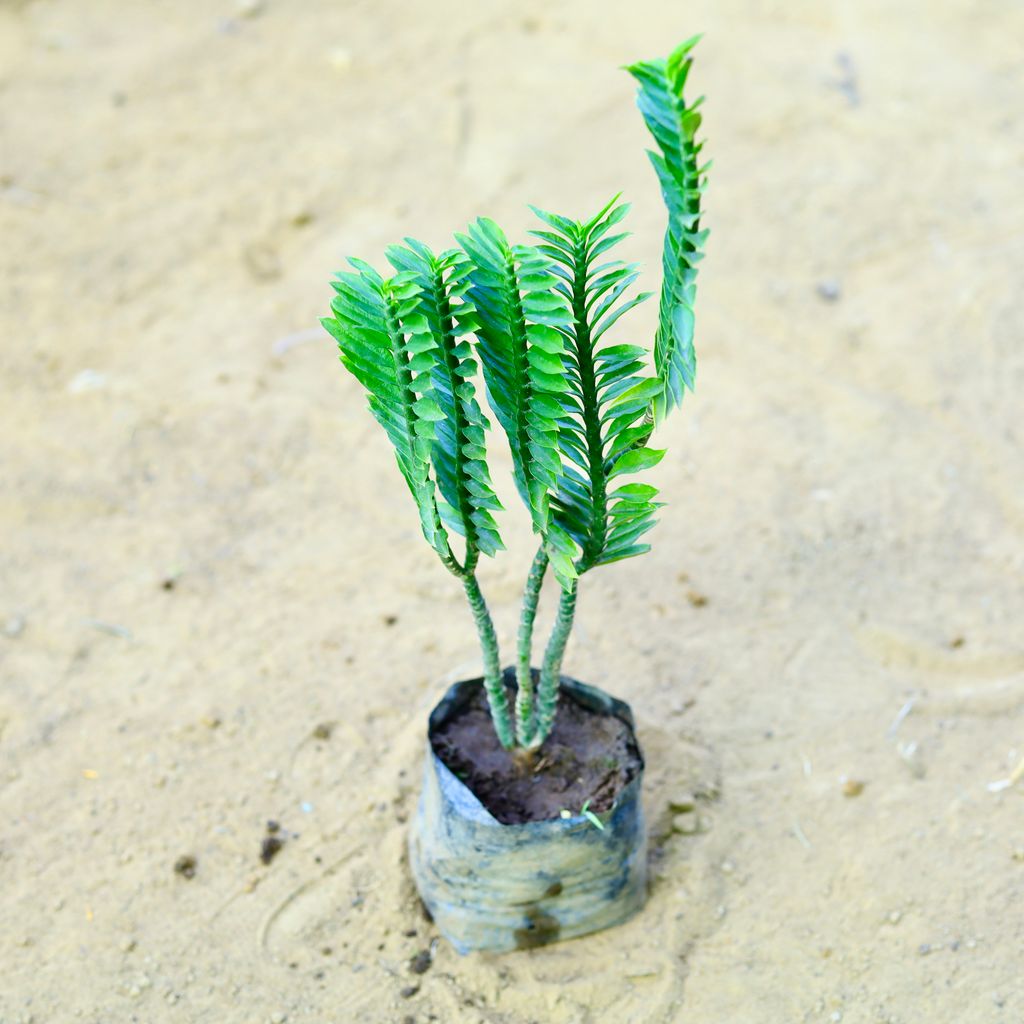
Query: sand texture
<point>215,606</point>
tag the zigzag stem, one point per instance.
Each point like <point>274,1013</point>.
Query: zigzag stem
<point>524,671</point>
<point>497,699</point>
<point>550,673</point>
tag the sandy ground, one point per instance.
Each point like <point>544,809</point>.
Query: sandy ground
<point>207,551</point>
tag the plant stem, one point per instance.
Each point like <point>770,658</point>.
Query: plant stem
<point>524,671</point>
<point>551,669</point>
<point>497,699</point>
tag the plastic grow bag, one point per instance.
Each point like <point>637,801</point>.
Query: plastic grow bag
<point>497,887</point>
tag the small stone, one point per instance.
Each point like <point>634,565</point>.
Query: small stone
<point>185,866</point>
<point>127,945</point>
<point>682,802</point>
<point>278,1017</point>
<point>895,917</point>
<point>1018,854</point>
<point>924,949</point>
<point>323,731</point>
<point>687,824</point>
<point>420,963</point>
<point>728,867</point>
<point>829,289</point>
<point>911,755</point>
<point>853,787</point>
<point>270,848</point>
<point>249,8</point>
<point>837,1015</point>
<point>409,991</point>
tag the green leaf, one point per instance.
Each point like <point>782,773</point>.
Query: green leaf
<point>621,553</point>
<point>428,409</point>
<point>635,492</point>
<point>637,460</point>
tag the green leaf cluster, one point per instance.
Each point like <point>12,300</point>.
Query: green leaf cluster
<point>577,405</point>
<point>676,162</point>
<point>522,323</point>
<point>407,340</point>
<point>602,429</point>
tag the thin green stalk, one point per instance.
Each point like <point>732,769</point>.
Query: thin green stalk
<point>551,669</point>
<point>497,699</point>
<point>524,671</point>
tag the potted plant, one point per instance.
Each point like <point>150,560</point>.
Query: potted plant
<point>530,827</point>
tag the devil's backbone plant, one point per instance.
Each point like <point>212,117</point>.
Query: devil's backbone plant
<point>578,405</point>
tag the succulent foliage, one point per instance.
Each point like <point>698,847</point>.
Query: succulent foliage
<point>578,405</point>
<point>676,161</point>
<point>522,323</point>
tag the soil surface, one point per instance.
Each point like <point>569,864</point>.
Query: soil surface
<point>216,607</point>
<point>588,759</point>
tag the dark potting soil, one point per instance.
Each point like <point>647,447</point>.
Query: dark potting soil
<point>588,757</point>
